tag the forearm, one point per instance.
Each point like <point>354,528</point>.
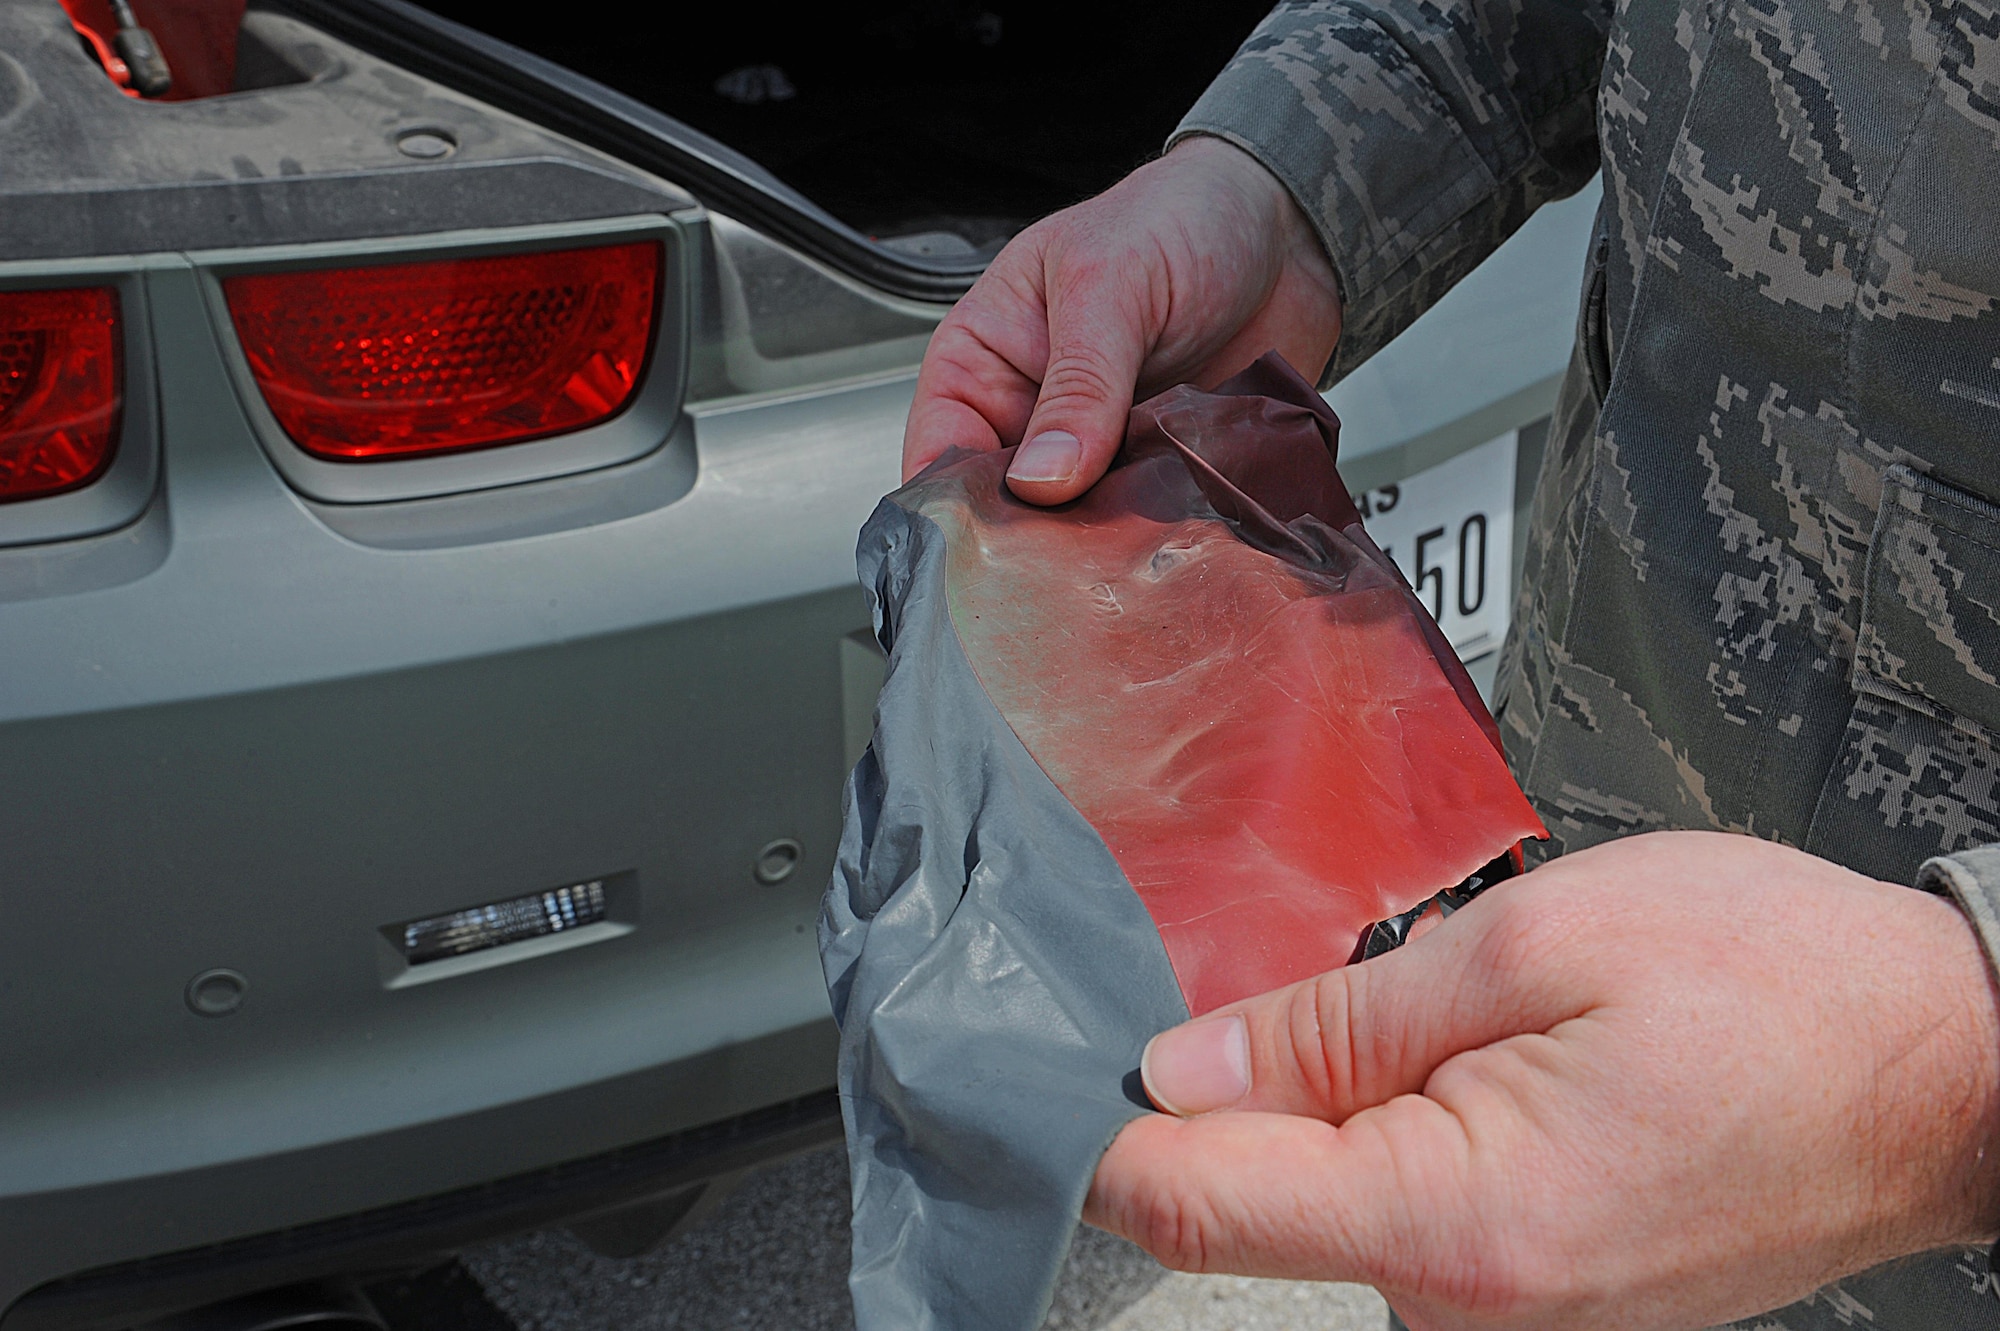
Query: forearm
<point>1415,135</point>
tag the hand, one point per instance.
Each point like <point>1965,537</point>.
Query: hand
<point>1666,1082</point>
<point>1187,270</point>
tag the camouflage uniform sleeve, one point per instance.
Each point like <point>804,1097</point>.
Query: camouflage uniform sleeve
<point>1971,878</point>
<point>1416,134</point>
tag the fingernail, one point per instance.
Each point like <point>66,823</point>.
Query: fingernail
<point>1198,1068</point>
<point>1051,455</point>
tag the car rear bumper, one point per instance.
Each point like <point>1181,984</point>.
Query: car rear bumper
<point>407,1234</point>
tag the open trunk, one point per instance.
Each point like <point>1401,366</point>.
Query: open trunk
<point>965,117</point>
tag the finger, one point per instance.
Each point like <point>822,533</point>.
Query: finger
<point>969,395</point>
<point>1098,338</point>
<point>1359,1036</point>
<point>1276,1195</point>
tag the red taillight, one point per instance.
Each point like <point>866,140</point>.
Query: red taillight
<point>59,389</point>
<point>400,359</point>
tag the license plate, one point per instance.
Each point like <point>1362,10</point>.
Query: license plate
<point>1450,528</point>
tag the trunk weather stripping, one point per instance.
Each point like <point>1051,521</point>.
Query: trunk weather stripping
<point>549,95</point>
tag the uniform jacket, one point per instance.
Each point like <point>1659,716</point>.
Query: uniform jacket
<point>1763,576</point>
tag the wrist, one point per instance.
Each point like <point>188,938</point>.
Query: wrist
<point>1267,196</point>
<point>1234,164</point>
<point>1305,283</point>
<point>1964,1095</point>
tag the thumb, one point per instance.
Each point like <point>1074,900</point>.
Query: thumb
<point>1097,342</point>
<point>1274,1195</point>
<point>1342,1042</point>
<point>1331,1164</point>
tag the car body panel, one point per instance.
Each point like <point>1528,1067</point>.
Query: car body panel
<point>250,728</point>
<point>187,814</point>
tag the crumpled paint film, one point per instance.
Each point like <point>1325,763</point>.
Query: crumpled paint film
<point>1230,682</point>
<point>1173,744</point>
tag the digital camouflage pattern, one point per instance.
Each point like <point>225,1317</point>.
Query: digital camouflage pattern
<point>1763,578</point>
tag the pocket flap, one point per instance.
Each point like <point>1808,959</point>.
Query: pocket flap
<point>1930,618</point>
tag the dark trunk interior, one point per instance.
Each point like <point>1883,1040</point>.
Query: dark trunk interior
<point>972,117</point>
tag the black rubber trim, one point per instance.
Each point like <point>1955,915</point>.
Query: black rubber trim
<point>544,92</point>
<point>415,1234</point>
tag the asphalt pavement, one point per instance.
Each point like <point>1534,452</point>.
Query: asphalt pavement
<point>773,1257</point>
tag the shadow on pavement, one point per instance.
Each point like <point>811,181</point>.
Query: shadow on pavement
<point>773,1256</point>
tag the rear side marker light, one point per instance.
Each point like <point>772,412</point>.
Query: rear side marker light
<point>536,915</point>
<point>399,360</point>
<point>60,389</point>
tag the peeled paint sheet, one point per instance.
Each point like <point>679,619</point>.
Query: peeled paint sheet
<point>1174,744</point>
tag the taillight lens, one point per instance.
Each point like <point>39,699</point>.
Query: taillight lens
<point>59,389</point>
<point>399,359</point>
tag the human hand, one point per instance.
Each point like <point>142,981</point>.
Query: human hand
<point>1187,270</point>
<point>1665,1082</point>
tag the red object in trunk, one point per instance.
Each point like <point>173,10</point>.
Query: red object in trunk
<point>197,37</point>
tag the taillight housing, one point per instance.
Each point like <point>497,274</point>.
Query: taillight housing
<point>61,389</point>
<point>438,356</point>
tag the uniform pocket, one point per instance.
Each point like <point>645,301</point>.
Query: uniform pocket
<point>1593,320</point>
<point>1919,769</point>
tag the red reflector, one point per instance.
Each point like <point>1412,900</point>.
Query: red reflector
<point>408,358</point>
<point>59,389</point>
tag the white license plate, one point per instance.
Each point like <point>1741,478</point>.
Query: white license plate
<point>1450,529</point>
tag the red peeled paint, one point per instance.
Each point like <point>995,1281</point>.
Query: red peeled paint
<point>1230,682</point>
